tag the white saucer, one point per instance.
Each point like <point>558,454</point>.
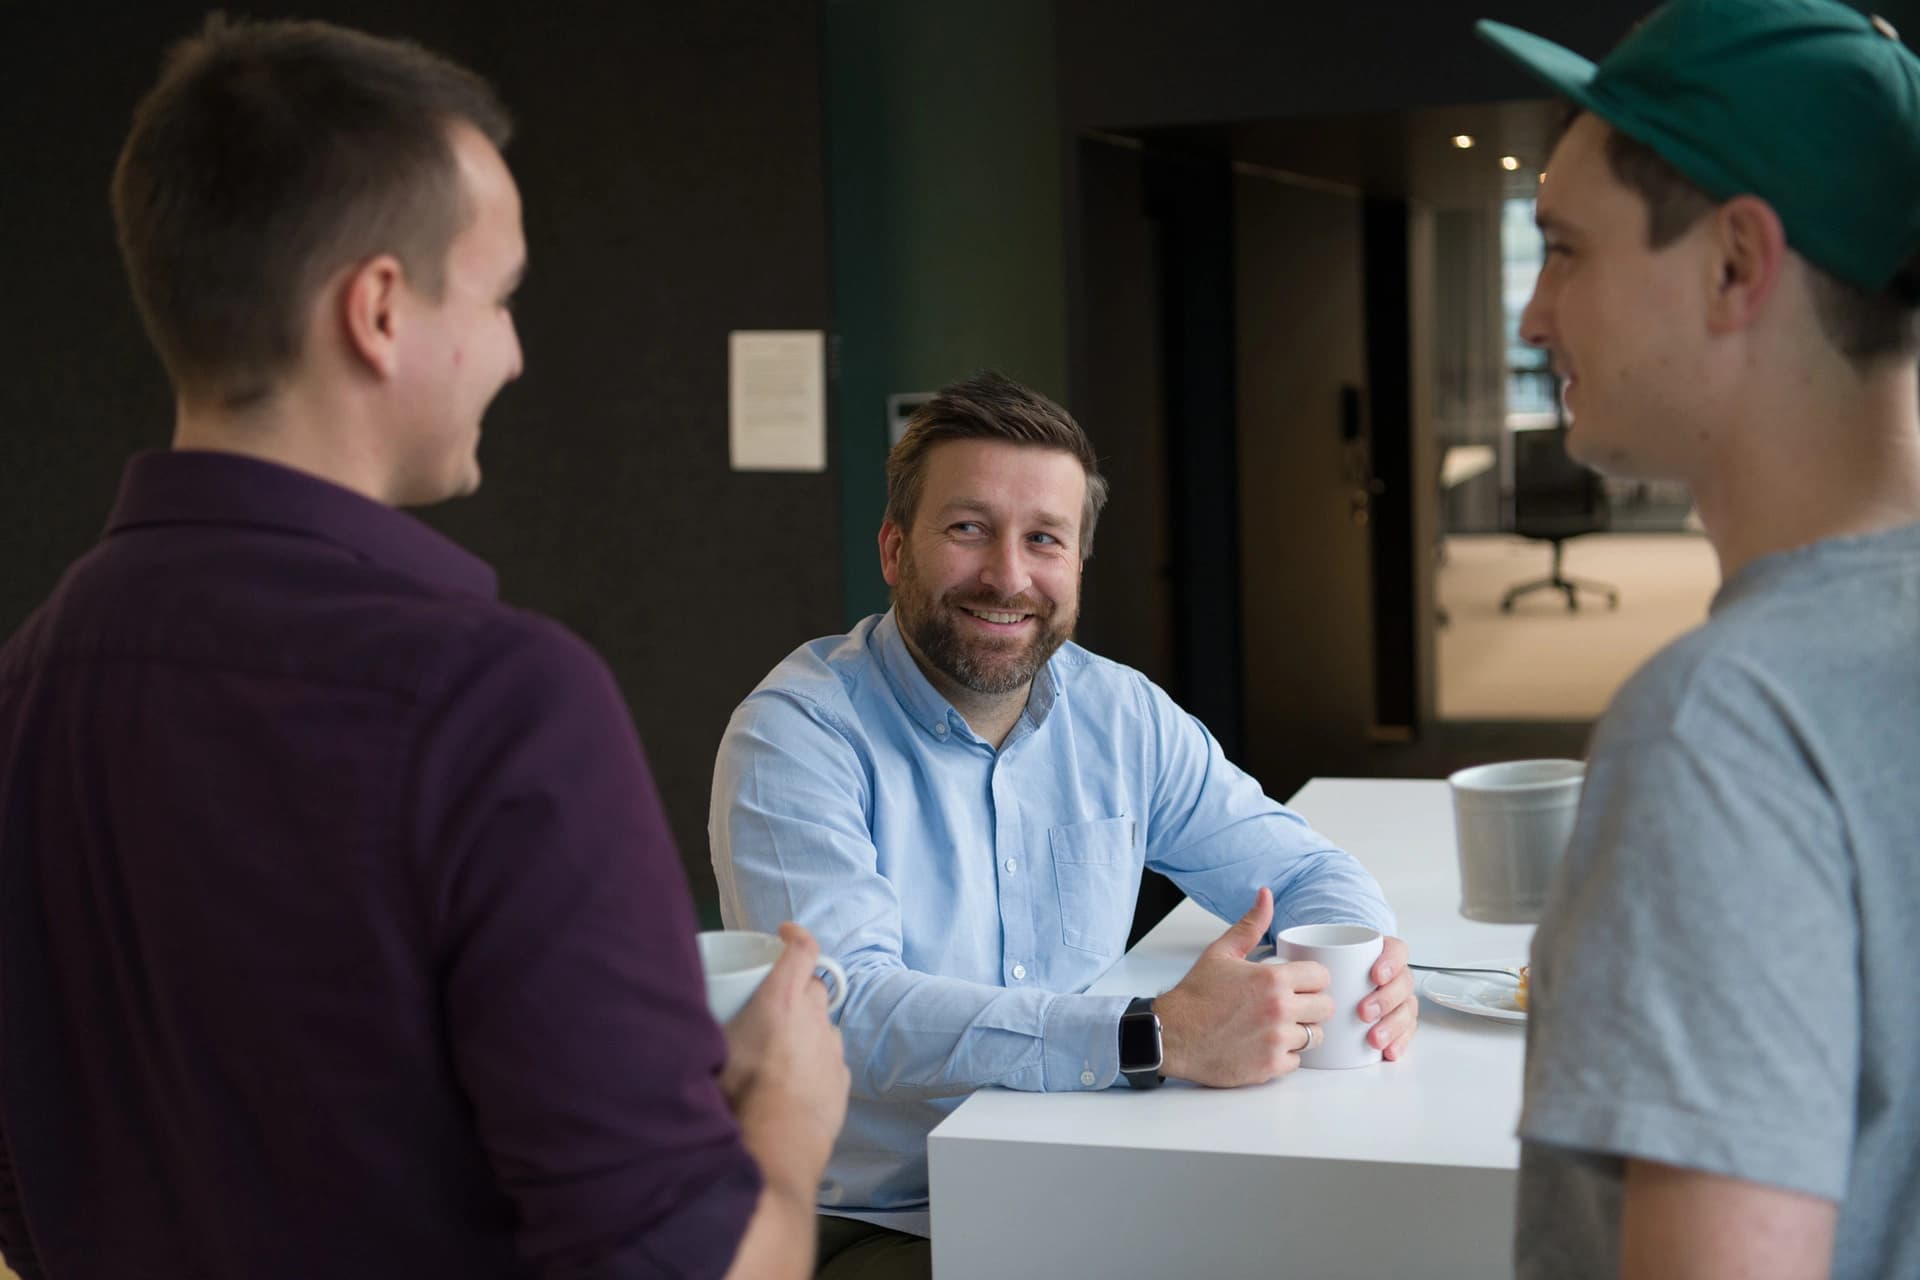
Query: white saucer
<point>1481,995</point>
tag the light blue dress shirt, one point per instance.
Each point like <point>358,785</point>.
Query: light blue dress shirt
<point>972,894</point>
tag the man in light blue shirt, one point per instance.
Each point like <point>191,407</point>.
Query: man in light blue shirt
<point>958,802</point>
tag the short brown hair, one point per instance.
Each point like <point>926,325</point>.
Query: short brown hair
<point>990,406</point>
<point>1864,327</point>
<point>268,156</point>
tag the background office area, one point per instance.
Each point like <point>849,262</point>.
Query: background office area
<point>1237,239</point>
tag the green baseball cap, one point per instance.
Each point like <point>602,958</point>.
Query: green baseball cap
<point>1810,105</point>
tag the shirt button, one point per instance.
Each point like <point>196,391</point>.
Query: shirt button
<point>1087,1078</point>
<point>940,730</point>
<point>1019,972</point>
<point>1008,864</point>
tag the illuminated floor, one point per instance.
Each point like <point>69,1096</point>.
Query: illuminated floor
<point>1542,662</point>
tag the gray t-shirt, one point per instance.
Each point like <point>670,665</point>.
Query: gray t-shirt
<point>1723,978</point>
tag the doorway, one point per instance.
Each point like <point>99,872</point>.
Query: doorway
<point>1258,341</point>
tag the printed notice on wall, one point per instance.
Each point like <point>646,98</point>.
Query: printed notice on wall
<point>777,400</point>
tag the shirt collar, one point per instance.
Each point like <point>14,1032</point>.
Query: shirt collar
<point>1814,559</point>
<point>924,704</point>
<point>192,486</point>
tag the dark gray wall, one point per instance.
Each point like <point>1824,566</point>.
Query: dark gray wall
<point>671,160</point>
<point>1158,62</point>
<point>946,222</point>
<point>1128,596</point>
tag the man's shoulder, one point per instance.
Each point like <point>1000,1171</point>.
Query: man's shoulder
<point>1093,679</point>
<point>391,629</point>
<point>1656,690</point>
<point>829,673</point>
<point>432,642</point>
<point>332,620</point>
<point>545,647</point>
<point>448,649</point>
<point>1760,661</point>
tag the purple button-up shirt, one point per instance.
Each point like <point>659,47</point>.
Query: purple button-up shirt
<point>341,933</point>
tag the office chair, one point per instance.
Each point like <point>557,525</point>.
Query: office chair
<point>1554,499</point>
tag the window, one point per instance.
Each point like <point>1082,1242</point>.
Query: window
<point>1532,391</point>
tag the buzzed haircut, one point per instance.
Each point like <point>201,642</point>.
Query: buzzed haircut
<point>269,156</point>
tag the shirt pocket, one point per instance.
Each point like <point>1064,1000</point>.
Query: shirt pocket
<point>1094,866</point>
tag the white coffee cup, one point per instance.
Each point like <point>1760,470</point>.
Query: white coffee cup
<point>1348,951</point>
<point>1512,821</point>
<point>738,960</point>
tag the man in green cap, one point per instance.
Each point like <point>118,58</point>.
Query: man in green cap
<point>1722,1045</point>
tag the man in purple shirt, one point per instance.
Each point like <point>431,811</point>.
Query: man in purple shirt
<point>341,933</point>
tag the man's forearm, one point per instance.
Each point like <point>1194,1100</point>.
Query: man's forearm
<point>781,1238</point>
<point>1683,1224</point>
<point>791,1150</point>
<point>969,1035</point>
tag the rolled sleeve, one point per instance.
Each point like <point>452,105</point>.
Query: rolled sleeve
<point>573,996</point>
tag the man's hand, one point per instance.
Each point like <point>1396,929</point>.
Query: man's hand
<point>787,1080</point>
<point>1392,1006</point>
<point>786,1074</point>
<point>1229,1022</point>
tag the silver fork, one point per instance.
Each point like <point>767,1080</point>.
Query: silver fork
<point>1454,968</point>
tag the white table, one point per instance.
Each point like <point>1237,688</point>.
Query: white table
<point>1401,1169</point>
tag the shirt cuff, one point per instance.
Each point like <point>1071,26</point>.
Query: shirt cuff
<point>1082,1042</point>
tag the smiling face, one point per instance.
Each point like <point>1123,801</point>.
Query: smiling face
<point>986,580</point>
<point>463,347</point>
<point>1624,322</point>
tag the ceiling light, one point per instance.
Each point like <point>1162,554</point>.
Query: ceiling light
<point>1509,163</point>
<point>1463,140</point>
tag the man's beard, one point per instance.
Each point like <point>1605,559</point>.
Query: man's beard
<point>981,663</point>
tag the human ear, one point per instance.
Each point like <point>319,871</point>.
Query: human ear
<point>1750,248</point>
<point>369,306</point>
<point>891,538</point>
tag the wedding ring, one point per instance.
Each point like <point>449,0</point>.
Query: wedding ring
<point>1313,1036</point>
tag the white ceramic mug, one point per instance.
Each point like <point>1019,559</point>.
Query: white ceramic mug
<point>736,961</point>
<point>1348,951</point>
<point>1512,822</point>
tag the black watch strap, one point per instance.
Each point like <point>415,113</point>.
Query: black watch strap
<point>1141,1050</point>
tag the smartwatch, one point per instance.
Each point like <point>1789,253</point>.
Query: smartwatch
<point>1140,1047</point>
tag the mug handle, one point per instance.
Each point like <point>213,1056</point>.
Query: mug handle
<point>838,985</point>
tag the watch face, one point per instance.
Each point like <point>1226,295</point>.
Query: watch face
<point>1139,1042</point>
